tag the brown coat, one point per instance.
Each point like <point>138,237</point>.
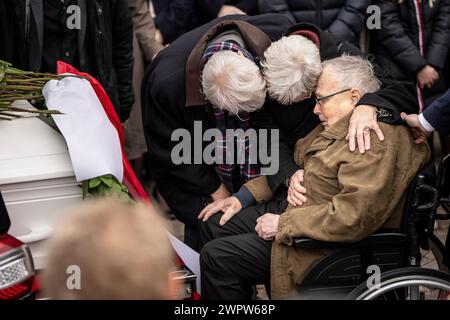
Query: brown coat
<point>144,48</point>
<point>350,195</point>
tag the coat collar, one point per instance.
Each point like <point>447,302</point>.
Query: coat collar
<point>320,139</point>
<point>256,41</point>
<point>339,130</point>
<point>328,44</point>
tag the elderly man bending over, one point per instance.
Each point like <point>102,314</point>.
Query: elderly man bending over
<point>350,196</point>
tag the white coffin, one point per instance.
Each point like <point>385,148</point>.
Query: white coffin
<point>36,179</point>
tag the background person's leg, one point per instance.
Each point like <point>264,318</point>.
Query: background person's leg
<point>186,207</point>
<point>232,265</point>
<point>191,236</point>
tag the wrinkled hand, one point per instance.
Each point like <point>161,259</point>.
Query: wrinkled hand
<point>227,10</point>
<point>267,226</point>
<point>363,120</point>
<point>296,191</point>
<point>230,206</point>
<point>419,133</point>
<point>221,193</point>
<point>427,77</point>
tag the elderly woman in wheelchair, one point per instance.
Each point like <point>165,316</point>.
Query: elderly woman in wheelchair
<point>352,221</point>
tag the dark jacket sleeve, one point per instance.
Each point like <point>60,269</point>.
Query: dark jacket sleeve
<point>276,6</point>
<point>350,20</point>
<point>123,57</point>
<point>14,48</point>
<point>211,7</point>
<point>172,21</point>
<point>282,159</point>
<point>287,165</point>
<point>436,53</point>
<point>438,114</point>
<point>163,113</point>
<point>393,96</point>
<point>250,7</point>
<point>394,39</point>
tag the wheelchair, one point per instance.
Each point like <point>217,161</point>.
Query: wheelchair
<point>394,255</point>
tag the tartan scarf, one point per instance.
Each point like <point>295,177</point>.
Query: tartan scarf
<point>233,175</point>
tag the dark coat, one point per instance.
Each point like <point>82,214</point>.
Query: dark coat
<point>171,100</point>
<point>297,120</point>
<point>438,114</point>
<point>176,17</point>
<point>106,51</point>
<point>343,18</point>
<point>396,44</point>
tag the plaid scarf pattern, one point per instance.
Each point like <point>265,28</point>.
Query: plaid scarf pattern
<point>233,171</point>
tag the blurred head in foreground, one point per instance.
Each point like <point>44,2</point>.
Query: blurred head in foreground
<point>117,251</point>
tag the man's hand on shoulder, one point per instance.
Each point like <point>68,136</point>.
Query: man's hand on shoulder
<point>296,190</point>
<point>363,120</point>
<point>228,10</point>
<point>419,133</point>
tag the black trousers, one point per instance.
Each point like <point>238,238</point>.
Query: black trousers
<point>234,258</point>
<point>186,206</point>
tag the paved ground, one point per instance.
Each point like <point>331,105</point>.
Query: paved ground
<point>440,230</point>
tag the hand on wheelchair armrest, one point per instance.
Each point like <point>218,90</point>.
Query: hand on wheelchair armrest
<point>382,237</point>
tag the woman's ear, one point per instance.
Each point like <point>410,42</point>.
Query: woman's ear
<point>356,95</point>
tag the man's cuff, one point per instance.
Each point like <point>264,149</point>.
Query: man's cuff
<point>245,197</point>
<point>425,124</point>
<point>284,233</point>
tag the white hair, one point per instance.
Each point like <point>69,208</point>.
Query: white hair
<point>233,83</point>
<point>292,67</point>
<point>353,72</point>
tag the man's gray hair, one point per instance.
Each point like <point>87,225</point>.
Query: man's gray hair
<point>353,72</point>
<point>233,83</point>
<point>292,67</point>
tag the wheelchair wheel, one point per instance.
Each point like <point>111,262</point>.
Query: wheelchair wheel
<point>410,283</point>
<point>437,249</point>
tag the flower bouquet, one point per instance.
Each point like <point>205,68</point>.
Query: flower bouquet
<point>16,85</point>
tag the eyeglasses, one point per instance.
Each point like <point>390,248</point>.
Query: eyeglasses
<point>318,100</point>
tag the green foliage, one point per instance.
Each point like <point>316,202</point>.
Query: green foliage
<point>106,186</point>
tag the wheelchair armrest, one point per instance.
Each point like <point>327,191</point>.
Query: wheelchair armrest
<point>373,239</point>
